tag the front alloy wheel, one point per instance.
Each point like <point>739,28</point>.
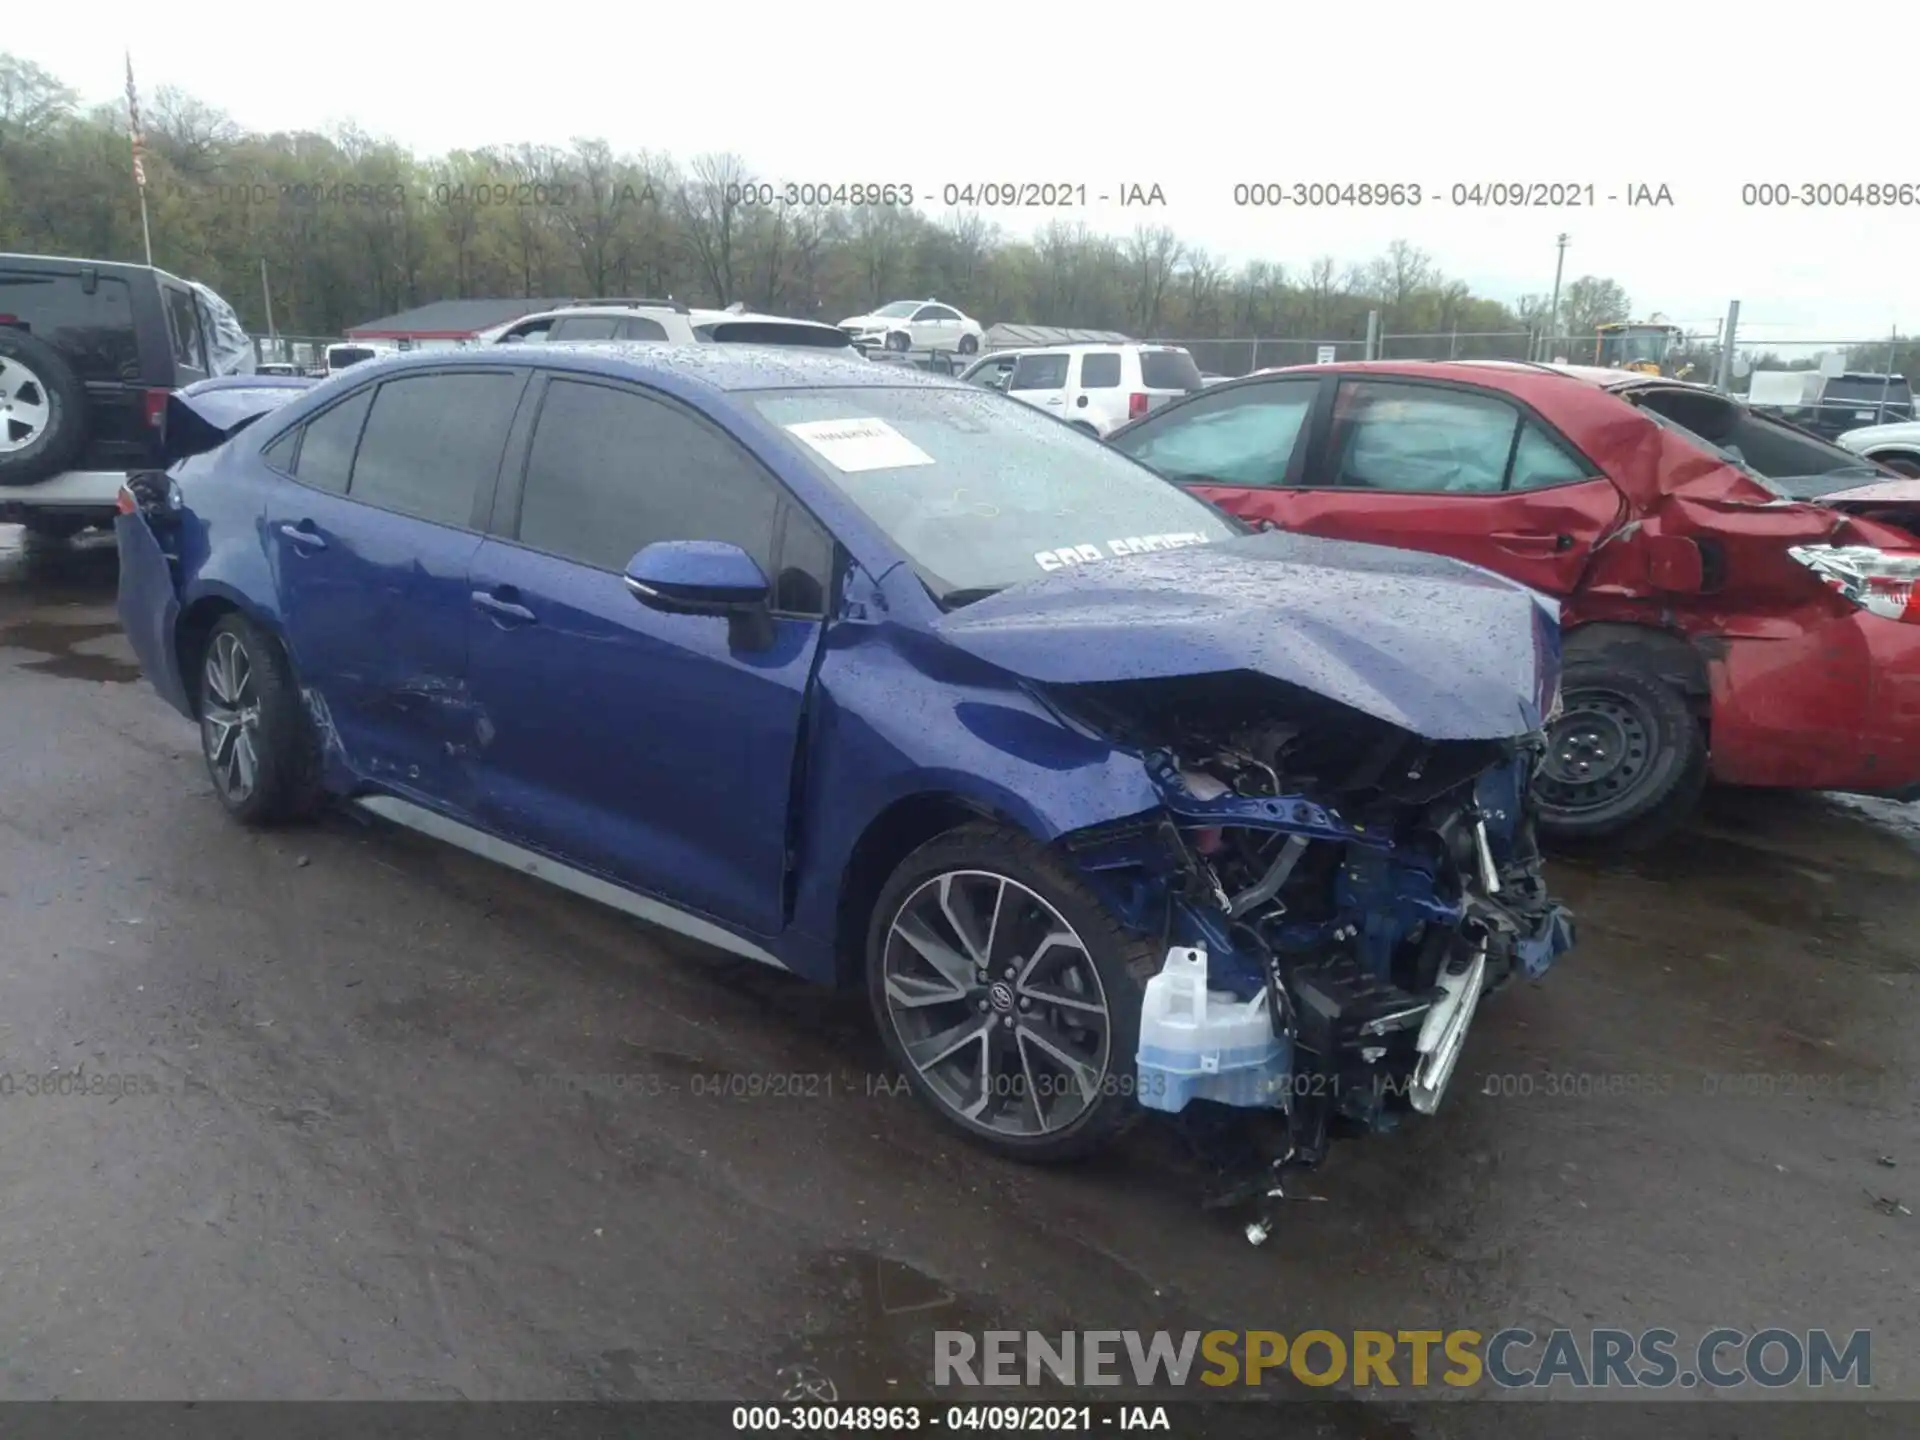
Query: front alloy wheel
<point>1009,993</point>
<point>997,1004</point>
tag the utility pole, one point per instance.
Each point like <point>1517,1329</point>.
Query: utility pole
<point>266,292</point>
<point>1553,308</point>
<point>1729,333</point>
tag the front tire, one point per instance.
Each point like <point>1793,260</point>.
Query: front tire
<point>899,342</point>
<point>969,344</point>
<point>254,734</point>
<point>1625,763</point>
<point>1009,994</point>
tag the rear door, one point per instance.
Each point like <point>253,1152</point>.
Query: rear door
<point>1457,471</point>
<point>1098,396</point>
<point>935,327</point>
<point>372,534</point>
<point>638,744</point>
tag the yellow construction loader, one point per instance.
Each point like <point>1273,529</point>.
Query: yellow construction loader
<point>1651,347</point>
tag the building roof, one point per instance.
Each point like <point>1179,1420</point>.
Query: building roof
<point>451,319</point>
<point>1021,337</point>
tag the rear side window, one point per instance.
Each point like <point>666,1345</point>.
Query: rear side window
<point>1100,370</point>
<point>326,448</point>
<point>432,442</point>
<point>183,328</point>
<point>1039,372</point>
<point>585,327</point>
<point>1870,390</point>
<point>1540,460</point>
<point>93,332</point>
<point>638,327</point>
<point>1169,370</point>
<point>611,472</point>
<point>1242,437</point>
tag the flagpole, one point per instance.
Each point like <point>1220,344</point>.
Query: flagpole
<point>139,161</point>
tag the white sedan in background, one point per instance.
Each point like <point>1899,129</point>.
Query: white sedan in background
<point>916,325</point>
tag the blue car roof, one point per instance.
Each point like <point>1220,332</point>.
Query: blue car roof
<point>719,367</point>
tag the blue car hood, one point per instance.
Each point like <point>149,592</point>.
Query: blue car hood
<point>1443,649</point>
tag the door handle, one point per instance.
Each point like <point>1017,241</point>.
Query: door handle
<point>502,608</point>
<point>1055,400</point>
<point>304,535</point>
<point>1533,542</point>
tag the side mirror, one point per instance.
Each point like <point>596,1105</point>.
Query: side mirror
<point>705,577</point>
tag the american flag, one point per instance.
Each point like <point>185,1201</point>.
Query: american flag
<point>133,129</point>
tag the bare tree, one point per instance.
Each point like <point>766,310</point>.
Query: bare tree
<point>1153,254</point>
<point>709,201</point>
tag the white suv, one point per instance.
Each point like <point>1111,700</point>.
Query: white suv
<point>1098,388</point>
<point>916,325</point>
<point>669,321</point>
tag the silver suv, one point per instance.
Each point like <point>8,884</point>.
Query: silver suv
<point>669,321</point>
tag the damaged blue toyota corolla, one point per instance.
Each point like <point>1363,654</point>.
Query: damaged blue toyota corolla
<point>1109,803</point>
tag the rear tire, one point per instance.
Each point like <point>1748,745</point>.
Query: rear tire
<point>43,410</point>
<point>969,344</point>
<point>260,748</point>
<point>1020,1029</point>
<point>1625,763</point>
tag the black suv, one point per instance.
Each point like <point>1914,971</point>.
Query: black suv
<point>89,352</point>
<point>1854,399</point>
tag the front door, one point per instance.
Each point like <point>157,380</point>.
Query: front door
<point>372,535</point>
<point>645,746</point>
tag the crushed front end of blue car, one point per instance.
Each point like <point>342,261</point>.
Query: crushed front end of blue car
<point>1337,894</point>
<point>1343,862</point>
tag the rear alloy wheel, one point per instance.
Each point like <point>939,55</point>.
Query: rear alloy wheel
<point>1008,994</point>
<point>1625,761</point>
<point>256,739</point>
<point>969,344</point>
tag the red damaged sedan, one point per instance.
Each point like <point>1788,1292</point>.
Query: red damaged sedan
<point>1714,627</point>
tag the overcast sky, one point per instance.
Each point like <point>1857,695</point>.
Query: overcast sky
<point>1699,97</point>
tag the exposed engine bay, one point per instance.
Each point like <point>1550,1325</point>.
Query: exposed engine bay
<point>1372,884</point>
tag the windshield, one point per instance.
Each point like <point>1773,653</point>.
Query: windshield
<point>899,309</point>
<point>980,491</point>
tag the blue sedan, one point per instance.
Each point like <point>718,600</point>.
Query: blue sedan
<point>889,681</point>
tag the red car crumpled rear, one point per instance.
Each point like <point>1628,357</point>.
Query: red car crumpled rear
<point>1715,628</point>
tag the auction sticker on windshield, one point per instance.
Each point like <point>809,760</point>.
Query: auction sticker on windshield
<point>1128,545</point>
<point>854,445</point>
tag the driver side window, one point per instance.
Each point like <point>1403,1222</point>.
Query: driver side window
<point>1243,437</point>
